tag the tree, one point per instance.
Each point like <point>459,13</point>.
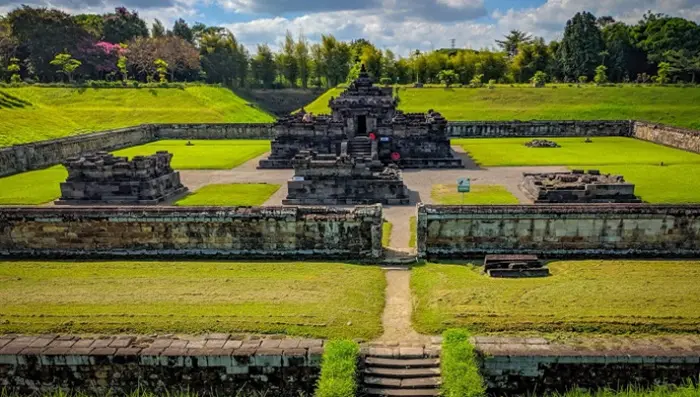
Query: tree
<point>287,60</point>
<point>223,59</point>
<point>683,62</point>
<point>512,41</point>
<point>581,46</point>
<point>531,58</point>
<point>14,70</point>
<point>447,77</point>
<point>301,53</point>
<point>162,70</point>
<point>122,63</point>
<point>656,34</point>
<point>141,57</point>
<point>624,58</point>
<point>67,65</point>
<point>182,29</point>
<point>539,79</point>
<point>263,66</point>
<point>336,59</point>
<point>663,73</point>
<point>180,56</point>
<point>123,26</point>
<point>157,30</point>
<point>318,66</point>
<point>91,23</point>
<point>601,75</point>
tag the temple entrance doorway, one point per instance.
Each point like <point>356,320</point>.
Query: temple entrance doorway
<point>361,126</point>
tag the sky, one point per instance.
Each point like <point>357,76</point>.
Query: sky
<point>399,25</point>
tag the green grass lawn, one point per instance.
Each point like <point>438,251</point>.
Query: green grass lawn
<point>329,300</point>
<point>48,113</point>
<point>669,105</point>
<point>234,194</point>
<point>479,195</point>
<point>676,184</point>
<point>387,227</point>
<point>412,225</point>
<point>205,154</point>
<point>582,296</point>
<point>502,152</point>
<point>33,187</point>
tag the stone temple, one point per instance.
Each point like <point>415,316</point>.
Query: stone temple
<point>578,187</point>
<point>103,178</point>
<point>362,115</point>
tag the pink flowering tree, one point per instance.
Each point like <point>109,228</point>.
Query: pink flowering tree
<point>102,57</point>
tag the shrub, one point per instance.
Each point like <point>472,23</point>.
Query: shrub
<point>601,75</point>
<point>583,79</point>
<point>459,366</point>
<point>539,79</point>
<point>338,369</point>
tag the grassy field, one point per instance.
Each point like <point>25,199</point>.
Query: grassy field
<point>234,194</point>
<point>47,113</point>
<point>581,296</point>
<point>33,187</point>
<point>638,161</point>
<point>329,300</point>
<point>479,195</point>
<point>669,105</point>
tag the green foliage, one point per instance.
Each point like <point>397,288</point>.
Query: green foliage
<point>387,227</point>
<point>601,74</point>
<point>182,29</point>
<point>14,69</point>
<point>157,29</point>
<point>583,79</point>
<point>477,81</point>
<point>162,70</point>
<point>313,299</point>
<point>60,112</point>
<point>412,225</point>
<point>539,79</point>
<point>123,25</point>
<point>662,76</point>
<point>338,369</point>
<point>263,66</point>
<point>581,45</point>
<point>33,187</point>
<point>479,195</point>
<point>656,34</point>
<point>447,77</point>
<point>689,390</point>
<point>122,66</point>
<point>453,295</point>
<point>459,366</point>
<point>513,41</point>
<point>229,195</point>
<point>67,64</point>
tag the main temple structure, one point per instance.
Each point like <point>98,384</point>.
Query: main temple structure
<point>365,118</point>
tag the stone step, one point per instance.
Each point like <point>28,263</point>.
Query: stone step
<point>403,373</point>
<point>403,392</point>
<point>409,383</point>
<point>399,363</point>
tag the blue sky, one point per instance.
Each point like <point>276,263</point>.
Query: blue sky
<point>399,25</point>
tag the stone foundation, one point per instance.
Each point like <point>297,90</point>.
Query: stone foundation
<point>577,187</point>
<point>591,230</point>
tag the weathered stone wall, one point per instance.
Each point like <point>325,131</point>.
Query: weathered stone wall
<point>217,364</point>
<point>559,230</point>
<point>214,131</point>
<point>555,128</point>
<point>665,135</point>
<point>32,156</point>
<point>166,232</point>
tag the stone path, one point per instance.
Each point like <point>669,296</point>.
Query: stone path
<point>396,319</point>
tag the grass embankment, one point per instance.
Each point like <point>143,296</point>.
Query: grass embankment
<point>339,369</point>
<point>387,227</point>
<point>459,367</point>
<point>43,186</point>
<point>479,195</point>
<point>234,194</point>
<point>595,296</point>
<point>328,300</point>
<point>638,161</point>
<point>658,391</point>
<point>39,113</point>
<point>412,226</point>
<point>669,105</point>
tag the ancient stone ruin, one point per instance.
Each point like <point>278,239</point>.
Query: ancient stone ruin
<point>542,143</point>
<point>362,114</point>
<point>102,178</point>
<point>327,179</point>
<point>578,187</point>
<point>514,266</point>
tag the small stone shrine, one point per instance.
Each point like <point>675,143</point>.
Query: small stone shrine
<point>577,187</point>
<point>542,143</point>
<point>514,266</point>
<point>102,178</point>
<point>364,113</point>
<point>327,179</point>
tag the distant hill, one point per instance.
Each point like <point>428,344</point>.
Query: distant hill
<point>30,114</point>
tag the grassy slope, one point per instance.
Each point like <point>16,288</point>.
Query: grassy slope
<point>479,195</point>
<point>315,299</point>
<point>668,105</point>
<point>638,161</point>
<point>594,296</point>
<point>234,194</point>
<point>58,112</point>
<point>204,154</point>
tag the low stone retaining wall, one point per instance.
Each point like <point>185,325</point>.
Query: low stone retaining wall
<point>678,138</point>
<point>544,128</point>
<point>169,232</point>
<point>559,230</point>
<point>521,366</point>
<point>214,131</point>
<point>217,364</point>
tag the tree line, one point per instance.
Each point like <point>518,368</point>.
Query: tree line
<point>48,45</point>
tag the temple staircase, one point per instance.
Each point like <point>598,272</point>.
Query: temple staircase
<point>360,146</point>
<point>401,371</point>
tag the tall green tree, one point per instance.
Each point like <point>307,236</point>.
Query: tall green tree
<point>263,66</point>
<point>336,59</point>
<point>66,64</point>
<point>221,56</point>
<point>157,29</point>
<point>287,60</point>
<point>657,33</point>
<point>683,63</point>
<point>123,25</point>
<point>301,53</point>
<point>531,58</point>
<point>513,41</point>
<point>183,30</point>
<point>579,52</point>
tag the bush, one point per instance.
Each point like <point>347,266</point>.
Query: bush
<point>338,369</point>
<point>459,366</point>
